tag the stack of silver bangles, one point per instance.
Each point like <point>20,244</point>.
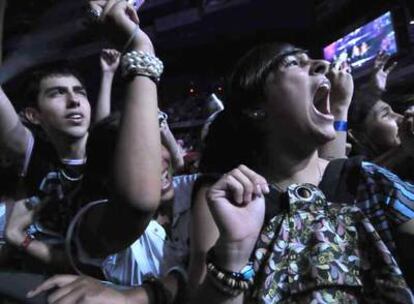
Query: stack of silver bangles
<point>140,63</point>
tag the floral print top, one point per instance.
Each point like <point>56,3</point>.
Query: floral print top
<point>317,251</point>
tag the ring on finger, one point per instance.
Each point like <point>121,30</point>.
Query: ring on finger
<point>93,14</point>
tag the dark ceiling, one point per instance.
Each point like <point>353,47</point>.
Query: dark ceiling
<point>192,39</point>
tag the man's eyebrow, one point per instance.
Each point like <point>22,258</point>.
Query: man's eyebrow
<point>79,88</point>
<point>384,108</point>
<point>48,90</point>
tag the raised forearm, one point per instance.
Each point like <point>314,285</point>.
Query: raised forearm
<point>137,166</point>
<point>336,148</point>
<point>13,135</point>
<point>103,105</point>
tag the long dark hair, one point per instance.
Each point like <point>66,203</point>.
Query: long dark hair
<point>235,137</point>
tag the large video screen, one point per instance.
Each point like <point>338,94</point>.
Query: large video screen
<point>362,45</point>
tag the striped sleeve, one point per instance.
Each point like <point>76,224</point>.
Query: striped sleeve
<point>394,195</point>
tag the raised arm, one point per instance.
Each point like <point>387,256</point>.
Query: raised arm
<point>380,72</point>
<point>137,161</point>
<point>136,178</point>
<point>342,89</point>
<point>14,136</point>
<point>237,204</point>
<point>204,234</point>
<point>109,60</point>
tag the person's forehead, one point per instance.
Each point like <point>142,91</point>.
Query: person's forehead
<point>59,80</point>
<point>379,106</point>
<point>293,52</point>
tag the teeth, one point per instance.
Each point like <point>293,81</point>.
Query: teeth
<point>75,116</point>
<point>325,85</point>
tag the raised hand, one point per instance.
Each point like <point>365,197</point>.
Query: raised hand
<point>109,60</point>
<point>77,290</point>
<point>342,90</point>
<point>237,204</point>
<point>121,23</point>
<point>380,72</point>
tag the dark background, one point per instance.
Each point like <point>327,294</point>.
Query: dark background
<point>197,43</point>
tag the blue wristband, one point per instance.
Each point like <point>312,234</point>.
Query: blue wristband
<point>341,125</point>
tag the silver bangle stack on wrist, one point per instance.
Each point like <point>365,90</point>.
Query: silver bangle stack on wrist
<point>138,63</point>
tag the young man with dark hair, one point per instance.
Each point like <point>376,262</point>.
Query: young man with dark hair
<point>51,165</point>
<point>56,101</point>
<point>46,158</point>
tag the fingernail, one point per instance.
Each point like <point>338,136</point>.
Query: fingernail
<point>267,190</point>
<point>29,294</point>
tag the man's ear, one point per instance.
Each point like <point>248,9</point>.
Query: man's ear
<point>32,115</point>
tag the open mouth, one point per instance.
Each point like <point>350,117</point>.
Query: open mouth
<point>74,116</point>
<point>321,100</point>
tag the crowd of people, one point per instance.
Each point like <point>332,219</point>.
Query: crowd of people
<point>302,194</point>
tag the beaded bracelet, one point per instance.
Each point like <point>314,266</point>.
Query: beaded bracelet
<point>136,63</point>
<point>228,282</point>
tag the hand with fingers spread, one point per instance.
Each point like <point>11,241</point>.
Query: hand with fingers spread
<point>342,90</point>
<point>237,204</point>
<point>406,133</point>
<point>121,23</point>
<point>109,60</point>
<point>72,289</point>
<point>381,71</point>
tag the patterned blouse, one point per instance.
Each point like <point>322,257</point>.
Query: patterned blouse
<point>333,244</point>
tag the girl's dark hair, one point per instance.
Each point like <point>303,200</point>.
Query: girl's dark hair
<point>361,106</point>
<point>234,138</point>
